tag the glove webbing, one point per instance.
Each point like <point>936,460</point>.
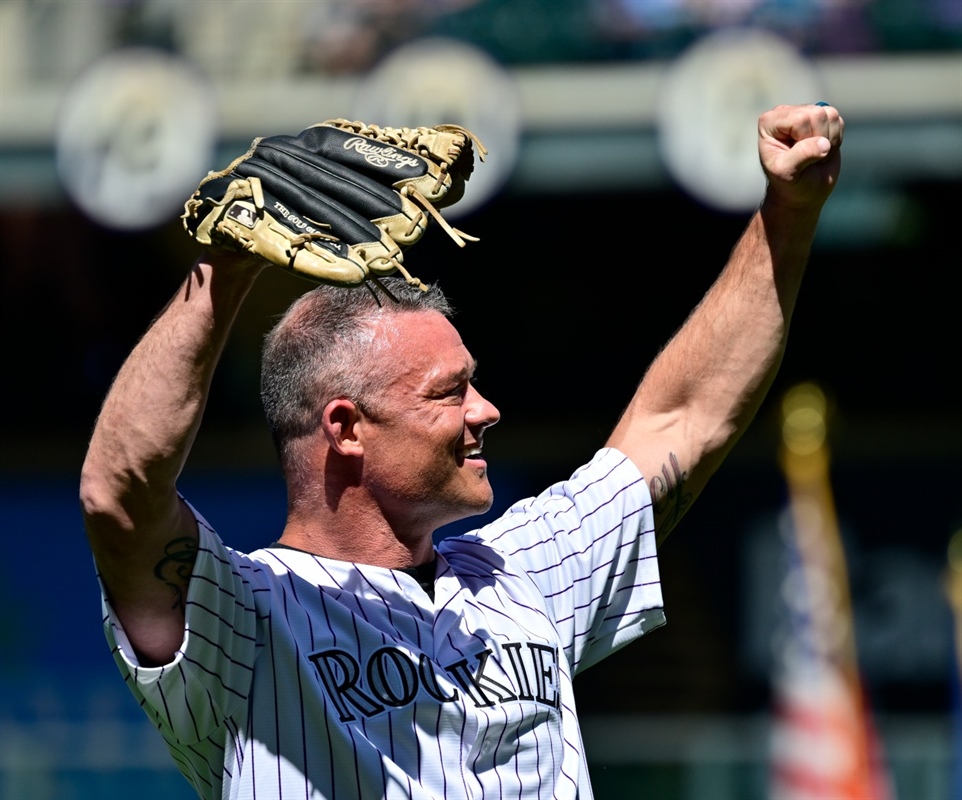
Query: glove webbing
<point>458,235</point>
<point>411,139</point>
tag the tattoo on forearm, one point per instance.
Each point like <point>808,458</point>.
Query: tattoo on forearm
<point>175,567</point>
<point>669,498</point>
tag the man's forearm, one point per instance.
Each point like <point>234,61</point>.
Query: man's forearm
<point>731,347</point>
<point>141,535</point>
<point>153,409</point>
<point>704,388</point>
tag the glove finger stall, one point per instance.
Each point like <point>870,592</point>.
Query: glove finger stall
<point>390,165</point>
<point>317,221</point>
<point>352,192</point>
<point>305,210</point>
<point>244,220</point>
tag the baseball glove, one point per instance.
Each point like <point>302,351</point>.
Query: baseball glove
<point>340,201</point>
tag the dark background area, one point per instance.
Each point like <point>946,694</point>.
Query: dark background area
<point>564,301</point>
<point>564,304</point>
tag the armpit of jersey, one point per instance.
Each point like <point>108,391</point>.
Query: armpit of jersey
<point>211,673</point>
<point>588,544</point>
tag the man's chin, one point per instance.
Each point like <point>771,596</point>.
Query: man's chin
<point>482,506</point>
<point>473,508</point>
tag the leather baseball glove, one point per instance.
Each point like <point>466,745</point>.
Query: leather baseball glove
<point>340,201</point>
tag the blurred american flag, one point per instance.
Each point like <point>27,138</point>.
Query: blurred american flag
<point>824,745</point>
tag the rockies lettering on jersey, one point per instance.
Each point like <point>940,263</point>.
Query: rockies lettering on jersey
<point>302,676</point>
<point>394,677</point>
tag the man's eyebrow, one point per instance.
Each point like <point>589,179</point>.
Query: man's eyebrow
<point>468,369</point>
<point>466,373</point>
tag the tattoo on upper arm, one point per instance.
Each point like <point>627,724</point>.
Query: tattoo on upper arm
<point>669,498</point>
<point>175,567</point>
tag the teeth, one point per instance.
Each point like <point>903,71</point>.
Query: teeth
<point>469,452</point>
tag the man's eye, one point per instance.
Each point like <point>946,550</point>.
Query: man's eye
<point>444,394</point>
<point>458,390</point>
<point>461,390</point>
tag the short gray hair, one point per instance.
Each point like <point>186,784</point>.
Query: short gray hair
<point>321,349</point>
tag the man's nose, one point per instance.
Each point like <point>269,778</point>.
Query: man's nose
<point>481,412</point>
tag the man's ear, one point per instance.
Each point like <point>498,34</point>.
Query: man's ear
<point>340,422</point>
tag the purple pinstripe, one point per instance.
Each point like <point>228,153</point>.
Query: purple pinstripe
<point>369,689</point>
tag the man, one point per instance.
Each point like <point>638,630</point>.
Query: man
<point>351,658</point>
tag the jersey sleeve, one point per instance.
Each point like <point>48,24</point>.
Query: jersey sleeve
<point>210,674</point>
<point>588,544</point>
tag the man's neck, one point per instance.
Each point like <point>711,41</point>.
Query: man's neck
<point>359,539</point>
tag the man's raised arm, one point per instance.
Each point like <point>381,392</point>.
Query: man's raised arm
<point>704,388</point>
<point>142,536</point>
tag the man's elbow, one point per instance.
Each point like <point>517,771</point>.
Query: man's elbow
<point>100,501</point>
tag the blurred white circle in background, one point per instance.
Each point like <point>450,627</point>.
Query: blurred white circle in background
<point>436,81</point>
<point>709,106</point>
<point>135,135</point>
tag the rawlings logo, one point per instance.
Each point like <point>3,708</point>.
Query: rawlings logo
<point>379,156</point>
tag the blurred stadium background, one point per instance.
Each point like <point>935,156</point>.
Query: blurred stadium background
<point>622,169</point>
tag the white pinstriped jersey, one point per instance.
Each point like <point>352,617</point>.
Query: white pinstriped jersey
<point>304,677</point>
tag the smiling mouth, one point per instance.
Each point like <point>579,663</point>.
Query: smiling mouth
<point>471,452</point>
